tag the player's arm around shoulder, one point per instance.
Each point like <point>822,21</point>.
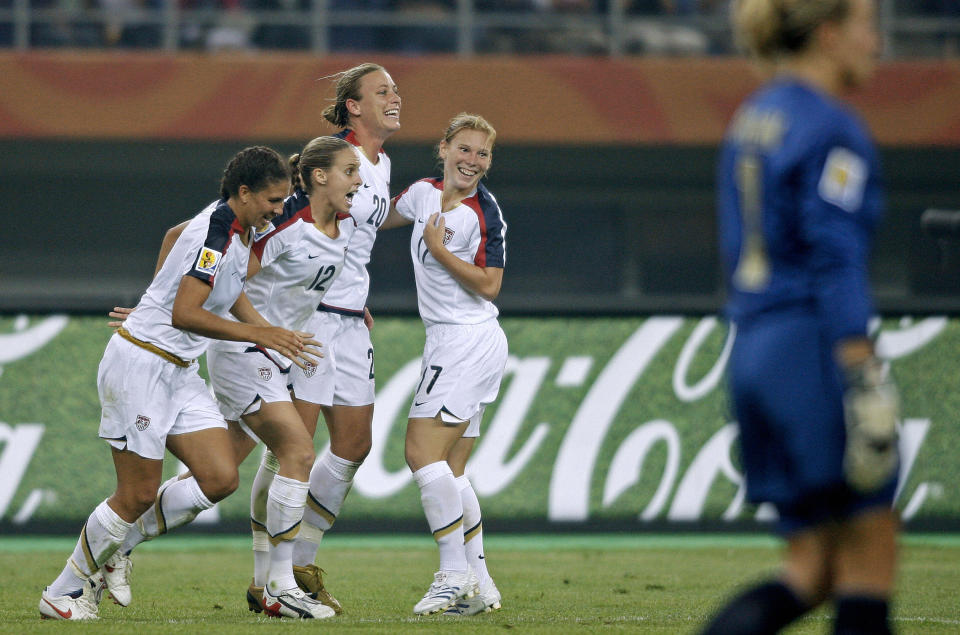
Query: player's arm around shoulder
<point>394,218</point>
<point>169,240</point>
<point>119,313</point>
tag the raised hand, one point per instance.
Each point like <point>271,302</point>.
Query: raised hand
<point>434,230</point>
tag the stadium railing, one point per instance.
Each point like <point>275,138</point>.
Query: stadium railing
<point>464,27</point>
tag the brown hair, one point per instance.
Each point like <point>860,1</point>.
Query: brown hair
<point>769,29</point>
<point>348,87</point>
<point>257,167</point>
<point>318,153</point>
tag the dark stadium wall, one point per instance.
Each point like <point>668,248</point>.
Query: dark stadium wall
<point>607,229</point>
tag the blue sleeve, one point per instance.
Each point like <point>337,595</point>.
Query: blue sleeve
<point>495,229</point>
<point>215,244</point>
<point>836,223</point>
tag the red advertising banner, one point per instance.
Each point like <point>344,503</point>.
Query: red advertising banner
<point>531,100</point>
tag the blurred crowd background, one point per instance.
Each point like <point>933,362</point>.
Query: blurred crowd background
<point>912,28</point>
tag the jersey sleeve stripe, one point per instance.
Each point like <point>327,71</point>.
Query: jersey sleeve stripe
<point>492,249</point>
<point>222,226</point>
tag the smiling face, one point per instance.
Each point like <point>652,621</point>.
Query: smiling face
<point>339,183</point>
<point>466,158</point>
<point>378,107</point>
<point>254,209</point>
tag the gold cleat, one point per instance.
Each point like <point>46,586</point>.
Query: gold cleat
<point>310,580</point>
<point>255,598</point>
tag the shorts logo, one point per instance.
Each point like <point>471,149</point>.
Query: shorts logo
<point>208,261</point>
<point>142,422</point>
<point>447,235</point>
<point>265,373</point>
<point>310,369</point>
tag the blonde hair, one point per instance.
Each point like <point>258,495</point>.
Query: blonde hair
<point>318,153</point>
<point>467,121</point>
<point>348,87</point>
<point>769,29</point>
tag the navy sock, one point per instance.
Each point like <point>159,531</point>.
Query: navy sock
<point>862,615</point>
<point>760,610</point>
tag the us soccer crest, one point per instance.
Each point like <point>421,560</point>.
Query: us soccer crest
<point>310,369</point>
<point>142,422</point>
<point>265,373</point>
<point>447,235</point>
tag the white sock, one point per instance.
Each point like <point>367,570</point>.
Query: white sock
<point>100,537</point>
<point>444,512</point>
<point>269,465</point>
<point>330,481</point>
<point>472,529</point>
<point>135,536</point>
<point>176,505</point>
<point>284,512</point>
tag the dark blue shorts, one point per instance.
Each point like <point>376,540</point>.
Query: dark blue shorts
<point>787,397</point>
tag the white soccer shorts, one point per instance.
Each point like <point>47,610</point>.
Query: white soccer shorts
<point>242,381</point>
<point>344,377</point>
<point>461,371</point>
<point>145,398</point>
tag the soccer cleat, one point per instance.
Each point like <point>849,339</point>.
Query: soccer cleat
<point>310,579</point>
<point>255,598</point>
<point>294,603</point>
<point>447,588</point>
<point>116,573</point>
<point>487,599</point>
<point>97,587</point>
<point>76,606</point>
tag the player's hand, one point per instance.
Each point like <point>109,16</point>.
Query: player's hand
<point>311,353</point>
<point>367,319</point>
<point>296,346</point>
<point>433,231</point>
<point>871,407</point>
<point>119,314</point>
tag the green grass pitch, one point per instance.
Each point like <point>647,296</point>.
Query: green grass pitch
<point>550,584</point>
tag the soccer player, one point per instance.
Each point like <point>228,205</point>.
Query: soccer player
<point>150,392</point>
<point>296,258</point>
<point>341,385</point>
<point>301,256</point>
<point>799,197</point>
<point>367,111</point>
<point>458,250</point>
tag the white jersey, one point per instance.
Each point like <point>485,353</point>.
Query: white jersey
<point>475,233</point>
<point>210,249</point>
<point>298,264</point>
<point>348,295</point>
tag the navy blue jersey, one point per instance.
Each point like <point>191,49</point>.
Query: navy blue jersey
<point>799,198</point>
